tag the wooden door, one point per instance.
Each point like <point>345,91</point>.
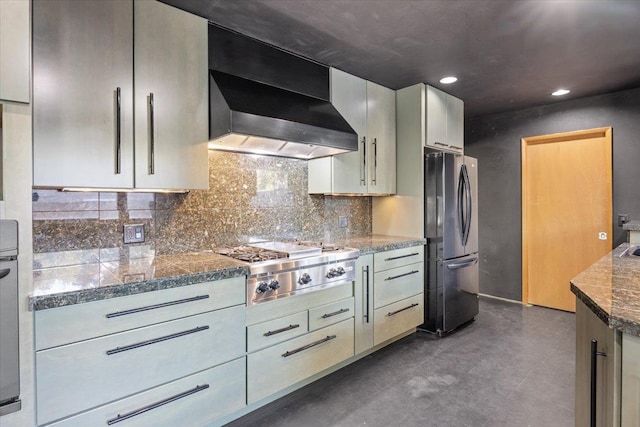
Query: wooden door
<point>566,212</point>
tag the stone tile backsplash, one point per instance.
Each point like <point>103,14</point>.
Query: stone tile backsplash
<point>250,198</point>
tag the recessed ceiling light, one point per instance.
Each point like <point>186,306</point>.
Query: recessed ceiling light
<point>448,80</point>
<point>560,92</point>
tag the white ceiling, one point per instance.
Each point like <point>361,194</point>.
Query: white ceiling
<point>507,54</point>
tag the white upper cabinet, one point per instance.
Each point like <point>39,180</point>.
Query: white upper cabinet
<point>444,121</point>
<point>370,109</point>
<point>86,65</point>
<point>15,48</point>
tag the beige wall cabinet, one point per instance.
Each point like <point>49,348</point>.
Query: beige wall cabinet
<point>156,347</point>
<point>444,121</point>
<point>370,109</point>
<point>87,57</point>
<point>15,50</point>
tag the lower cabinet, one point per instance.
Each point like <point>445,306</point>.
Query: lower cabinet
<point>630,411</point>
<point>175,363</point>
<point>398,317</point>
<point>363,291</point>
<point>196,400</point>
<point>275,368</point>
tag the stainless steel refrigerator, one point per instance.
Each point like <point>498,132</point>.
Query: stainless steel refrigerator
<point>451,229</point>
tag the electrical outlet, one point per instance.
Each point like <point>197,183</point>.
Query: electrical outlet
<point>343,221</point>
<point>623,219</point>
<point>134,233</point>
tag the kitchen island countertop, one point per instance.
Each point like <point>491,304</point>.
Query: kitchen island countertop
<point>67,278</point>
<point>611,289</point>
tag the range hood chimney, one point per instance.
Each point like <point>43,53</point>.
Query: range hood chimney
<point>264,100</point>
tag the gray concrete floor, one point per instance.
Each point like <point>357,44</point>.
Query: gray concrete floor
<point>513,366</point>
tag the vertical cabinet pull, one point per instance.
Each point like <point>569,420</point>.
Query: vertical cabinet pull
<point>594,379</point>
<point>363,171</point>
<point>365,270</point>
<point>152,139</point>
<point>163,402</point>
<point>375,161</point>
<point>118,131</point>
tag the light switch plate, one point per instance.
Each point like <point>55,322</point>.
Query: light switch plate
<point>343,221</point>
<point>623,219</point>
<point>134,233</point>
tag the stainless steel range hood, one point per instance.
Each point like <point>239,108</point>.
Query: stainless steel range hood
<point>267,101</point>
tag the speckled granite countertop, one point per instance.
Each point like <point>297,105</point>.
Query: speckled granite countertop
<point>378,243</point>
<point>611,289</point>
<point>632,226</point>
<point>76,277</point>
<point>92,281</point>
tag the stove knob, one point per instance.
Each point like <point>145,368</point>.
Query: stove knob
<point>273,284</point>
<point>332,273</point>
<point>262,288</point>
<point>304,279</point>
<point>340,271</point>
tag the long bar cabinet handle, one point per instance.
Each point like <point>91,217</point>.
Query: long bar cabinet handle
<point>363,175</point>
<point>277,331</point>
<point>335,313</point>
<point>375,161</point>
<point>402,256</point>
<point>366,269</point>
<point>594,379</point>
<point>156,405</point>
<point>156,306</point>
<point>308,346</point>
<point>156,340</point>
<point>152,138</point>
<point>402,275</point>
<point>118,131</point>
<point>393,313</point>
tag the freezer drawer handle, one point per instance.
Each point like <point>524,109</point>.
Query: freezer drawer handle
<point>335,313</point>
<point>156,340</point>
<point>402,275</point>
<point>402,256</point>
<point>4,272</point>
<point>277,331</point>
<point>157,404</point>
<point>393,313</point>
<point>594,374</point>
<point>155,306</point>
<point>308,346</point>
<point>459,265</point>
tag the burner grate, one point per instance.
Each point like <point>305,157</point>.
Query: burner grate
<point>249,254</point>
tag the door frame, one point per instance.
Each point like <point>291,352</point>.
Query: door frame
<point>545,139</point>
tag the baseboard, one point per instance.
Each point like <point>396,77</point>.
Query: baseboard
<point>501,299</point>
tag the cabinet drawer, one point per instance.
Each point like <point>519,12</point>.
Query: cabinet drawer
<point>397,257</point>
<point>397,318</point>
<point>329,314</point>
<point>59,326</point>
<point>280,366</point>
<point>195,400</point>
<point>80,376</point>
<point>274,331</point>
<point>398,283</point>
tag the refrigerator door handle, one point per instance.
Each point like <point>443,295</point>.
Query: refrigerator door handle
<point>469,204</point>
<point>459,265</point>
<point>461,220</point>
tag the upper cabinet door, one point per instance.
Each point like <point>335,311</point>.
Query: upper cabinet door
<point>171,98</point>
<point>444,121</point>
<point>455,122</point>
<point>15,43</point>
<point>82,93</point>
<point>349,96</point>
<point>381,133</point>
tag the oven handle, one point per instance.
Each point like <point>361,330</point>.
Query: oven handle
<point>156,340</point>
<point>156,405</point>
<point>4,272</point>
<point>335,313</point>
<point>156,306</point>
<point>308,346</point>
<point>277,331</point>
